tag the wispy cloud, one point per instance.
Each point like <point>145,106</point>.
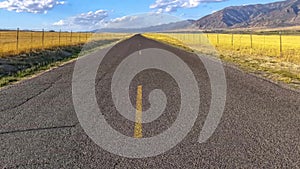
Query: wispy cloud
<point>30,6</point>
<point>173,5</point>
<point>100,19</point>
<point>141,20</point>
<point>89,20</point>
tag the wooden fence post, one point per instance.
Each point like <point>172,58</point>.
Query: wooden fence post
<point>43,38</point>
<point>59,35</point>
<point>71,37</point>
<point>251,40</point>
<point>17,45</point>
<point>264,41</point>
<point>66,42</point>
<point>79,34</point>
<point>31,40</point>
<point>280,35</point>
<point>232,40</point>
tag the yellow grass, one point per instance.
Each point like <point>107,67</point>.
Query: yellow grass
<point>240,44</point>
<point>175,41</point>
<point>30,41</point>
<point>263,56</point>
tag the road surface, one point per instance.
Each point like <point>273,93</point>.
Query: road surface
<point>260,126</point>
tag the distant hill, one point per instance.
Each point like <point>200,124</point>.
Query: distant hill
<point>159,28</point>
<point>272,15</point>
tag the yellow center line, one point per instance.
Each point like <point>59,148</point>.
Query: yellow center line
<point>139,110</point>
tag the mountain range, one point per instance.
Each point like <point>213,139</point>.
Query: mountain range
<point>271,15</point>
<point>164,27</point>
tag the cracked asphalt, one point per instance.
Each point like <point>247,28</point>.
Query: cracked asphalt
<point>260,127</point>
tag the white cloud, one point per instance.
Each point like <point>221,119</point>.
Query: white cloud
<point>100,19</point>
<point>141,20</point>
<point>173,5</point>
<point>84,21</point>
<point>59,23</point>
<point>124,19</point>
<point>31,6</point>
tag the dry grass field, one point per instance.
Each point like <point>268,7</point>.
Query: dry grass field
<point>284,47</point>
<point>273,56</point>
<point>15,42</point>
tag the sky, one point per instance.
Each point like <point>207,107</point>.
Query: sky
<point>85,15</point>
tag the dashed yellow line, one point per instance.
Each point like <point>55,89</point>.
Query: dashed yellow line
<point>138,132</point>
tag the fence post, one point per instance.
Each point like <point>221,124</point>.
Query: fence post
<point>251,40</point>
<point>280,35</point>
<point>17,45</point>
<point>31,41</point>
<point>218,40</point>
<point>59,35</point>
<point>71,37</point>
<point>79,34</point>
<point>43,38</point>
<point>264,41</point>
<point>66,40</point>
<point>232,40</point>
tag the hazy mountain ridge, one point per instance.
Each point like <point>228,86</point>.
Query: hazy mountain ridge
<point>158,28</point>
<point>278,14</point>
<point>271,15</point>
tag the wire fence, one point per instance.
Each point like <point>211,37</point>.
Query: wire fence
<point>281,45</point>
<point>15,42</point>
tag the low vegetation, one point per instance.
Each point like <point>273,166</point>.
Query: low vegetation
<point>16,42</point>
<point>25,53</point>
<point>13,69</point>
<point>273,56</point>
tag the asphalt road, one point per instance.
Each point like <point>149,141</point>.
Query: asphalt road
<point>260,127</point>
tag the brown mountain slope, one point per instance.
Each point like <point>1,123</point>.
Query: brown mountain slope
<point>272,15</point>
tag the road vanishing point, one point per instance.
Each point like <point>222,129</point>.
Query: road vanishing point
<point>260,126</point>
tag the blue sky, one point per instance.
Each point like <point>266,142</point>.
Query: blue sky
<point>92,14</point>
